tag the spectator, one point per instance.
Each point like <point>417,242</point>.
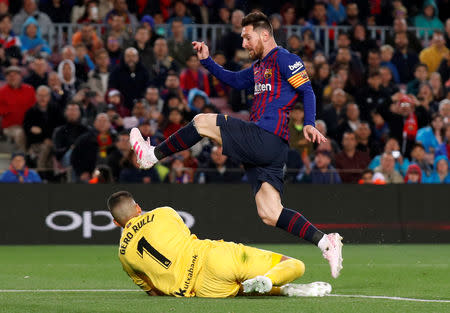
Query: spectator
<point>447,33</point>
<point>366,143</point>
<point>162,63</point>
<point>91,13</point>
<point>297,139</point>
<point>193,76</point>
<point>57,10</point>
<point>32,42</point>
<point>38,75</point>
<point>321,172</point>
<point>120,7</point>
<point>387,82</point>
<point>15,99</point>
<point>431,137</point>
<point>392,147</point>
<point>278,33</point>
<point>331,144</point>
<point>334,115</point>
<point>435,53</point>
<point>219,169</point>
<point>360,42</point>
<point>9,43</point>
<point>143,46</point>
<point>419,157</point>
<point>231,42</point>
<point>436,86</point>
<point>154,100</point>
<point>426,98</point>
<point>288,13</point>
<point>149,129</point>
<point>350,162</point>
<point>352,13</point>
<point>118,28</point>
<point>350,122</point>
<point>387,168</point>
<point>115,99</point>
<point>67,75</point>
<point>30,10</point>
<point>4,7</point>
<point>39,123</point>
<point>355,67</point>
<point>174,122</point>
<point>59,96</point>
<point>69,53</point>
<point>336,12</point>
<point>428,18</point>
<point>119,151</point>
<point>420,77</point>
<point>294,44</point>
<point>180,13</point>
<point>82,60</point>
<point>404,59</point>
<point>380,127</point>
<point>440,175</point>
<point>131,173</point>
<point>444,148</point>
<point>372,97</point>
<point>413,175</point>
<point>180,49</point>
<point>387,52</point>
<point>197,101</point>
<point>444,110</point>
<point>113,46</point>
<point>18,172</point>
<point>400,26</point>
<point>101,175</point>
<point>178,173</point>
<point>373,61</point>
<point>92,148</point>
<point>130,78</point>
<point>366,177</point>
<point>99,76</point>
<point>149,23</point>
<point>64,136</point>
<point>89,38</point>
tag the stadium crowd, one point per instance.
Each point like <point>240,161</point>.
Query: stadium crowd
<point>383,105</point>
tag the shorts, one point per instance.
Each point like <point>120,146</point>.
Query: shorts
<point>263,153</point>
<point>227,264</point>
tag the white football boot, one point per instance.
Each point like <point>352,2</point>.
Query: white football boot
<point>315,289</point>
<point>261,284</point>
<point>144,151</point>
<point>331,246</point>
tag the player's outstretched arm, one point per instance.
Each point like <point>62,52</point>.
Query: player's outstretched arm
<point>238,80</point>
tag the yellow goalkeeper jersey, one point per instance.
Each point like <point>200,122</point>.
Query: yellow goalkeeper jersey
<point>159,253</point>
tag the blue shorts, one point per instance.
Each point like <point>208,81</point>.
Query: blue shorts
<point>263,153</point>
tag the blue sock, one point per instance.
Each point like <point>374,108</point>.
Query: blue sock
<point>181,140</point>
<point>296,224</point>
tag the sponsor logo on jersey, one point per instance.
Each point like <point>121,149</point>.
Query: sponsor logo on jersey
<point>260,88</point>
<point>296,65</point>
<point>268,73</point>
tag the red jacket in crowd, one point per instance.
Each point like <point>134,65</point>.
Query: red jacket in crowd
<point>14,103</point>
<point>190,79</point>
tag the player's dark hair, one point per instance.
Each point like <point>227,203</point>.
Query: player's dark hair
<point>117,198</point>
<point>258,20</point>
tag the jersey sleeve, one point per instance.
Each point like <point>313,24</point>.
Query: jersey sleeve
<point>239,80</point>
<point>136,279</point>
<point>294,72</point>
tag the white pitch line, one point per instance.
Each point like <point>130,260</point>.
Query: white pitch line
<point>389,298</point>
<point>137,290</point>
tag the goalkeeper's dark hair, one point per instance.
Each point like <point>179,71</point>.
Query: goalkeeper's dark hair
<point>259,21</point>
<point>116,198</point>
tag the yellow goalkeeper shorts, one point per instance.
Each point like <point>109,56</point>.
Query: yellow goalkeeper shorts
<point>227,264</point>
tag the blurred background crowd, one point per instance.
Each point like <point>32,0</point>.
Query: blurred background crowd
<point>68,98</point>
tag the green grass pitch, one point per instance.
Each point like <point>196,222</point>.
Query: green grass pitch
<point>409,271</point>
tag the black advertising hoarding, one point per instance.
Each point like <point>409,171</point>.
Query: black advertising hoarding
<point>77,214</point>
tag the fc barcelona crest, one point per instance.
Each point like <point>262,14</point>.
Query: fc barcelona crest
<point>304,75</point>
<point>268,73</point>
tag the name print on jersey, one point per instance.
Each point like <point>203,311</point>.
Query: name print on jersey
<point>260,88</point>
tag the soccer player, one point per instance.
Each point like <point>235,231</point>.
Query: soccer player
<point>278,77</point>
<point>161,256</point>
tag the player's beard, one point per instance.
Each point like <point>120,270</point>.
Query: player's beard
<point>257,52</point>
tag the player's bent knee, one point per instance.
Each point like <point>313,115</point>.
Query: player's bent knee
<point>267,219</point>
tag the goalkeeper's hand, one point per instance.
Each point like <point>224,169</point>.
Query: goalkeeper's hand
<point>202,49</point>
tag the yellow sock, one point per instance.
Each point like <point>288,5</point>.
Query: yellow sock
<point>286,271</point>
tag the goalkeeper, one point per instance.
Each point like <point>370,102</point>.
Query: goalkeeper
<point>162,257</point>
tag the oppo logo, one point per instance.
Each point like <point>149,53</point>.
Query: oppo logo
<point>85,221</point>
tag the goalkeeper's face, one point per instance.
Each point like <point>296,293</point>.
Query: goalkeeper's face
<point>252,42</point>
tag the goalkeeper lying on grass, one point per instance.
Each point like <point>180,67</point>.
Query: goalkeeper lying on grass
<point>161,256</point>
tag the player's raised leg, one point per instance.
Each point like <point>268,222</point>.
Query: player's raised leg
<point>202,125</point>
<point>272,212</point>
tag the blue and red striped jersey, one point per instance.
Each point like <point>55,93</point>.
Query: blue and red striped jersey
<point>278,80</point>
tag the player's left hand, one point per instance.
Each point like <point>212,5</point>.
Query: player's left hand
<point>313,135</point>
